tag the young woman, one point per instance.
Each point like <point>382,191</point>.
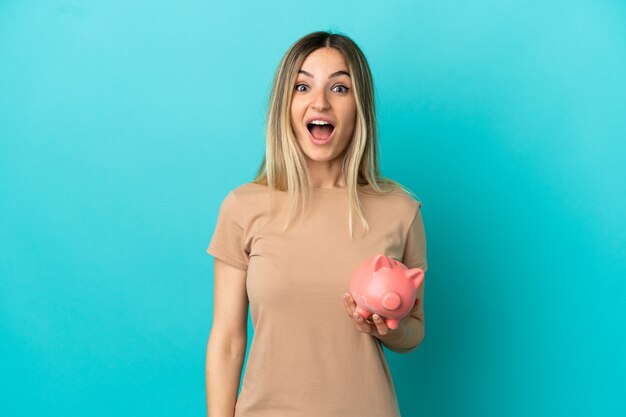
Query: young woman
<point>287,242</point>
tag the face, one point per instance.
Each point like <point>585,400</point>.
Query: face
<point>323,91</point>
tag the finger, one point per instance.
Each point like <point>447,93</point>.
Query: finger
<point>361,324</point>
<point>351,301</point>
<point>346,303</point>
<point>350,308</point>
<point>381,326</point>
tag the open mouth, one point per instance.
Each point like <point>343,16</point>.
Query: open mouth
<point>320,131</point>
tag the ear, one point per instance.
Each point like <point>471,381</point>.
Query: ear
<point>381,261</point>
<point>416,275</point>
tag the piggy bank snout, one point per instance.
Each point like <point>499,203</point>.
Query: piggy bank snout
<point>391,300</point>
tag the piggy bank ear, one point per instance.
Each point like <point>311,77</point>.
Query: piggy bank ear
<point>416,275</point>
<point>381,261</point>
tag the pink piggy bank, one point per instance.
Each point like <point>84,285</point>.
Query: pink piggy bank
<point>386,287</point>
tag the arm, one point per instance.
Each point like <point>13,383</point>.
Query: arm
<point>226,347</point>
<point>410,332</point>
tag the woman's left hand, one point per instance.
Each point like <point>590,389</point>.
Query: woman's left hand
<point>375,325</point>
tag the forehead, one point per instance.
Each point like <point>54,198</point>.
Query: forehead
<point>324,60</point>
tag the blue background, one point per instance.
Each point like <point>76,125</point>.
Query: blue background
<point>124,124</point>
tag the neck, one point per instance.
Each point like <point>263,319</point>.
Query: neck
<point>326,174</point>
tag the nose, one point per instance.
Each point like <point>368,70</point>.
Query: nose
<point>320,102</point>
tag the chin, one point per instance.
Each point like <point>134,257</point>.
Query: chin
<point>320,156</point>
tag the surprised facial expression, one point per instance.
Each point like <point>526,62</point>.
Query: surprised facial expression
<point>323,107</point>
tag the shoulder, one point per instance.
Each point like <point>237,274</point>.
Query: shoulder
<point>249,192</point>
<point>409,203</point>
<point>245,197</point>
<point>408,197</point>
<point>397,207</point>
<point>399,198</point>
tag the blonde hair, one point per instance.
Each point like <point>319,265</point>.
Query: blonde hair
<point>284,167</point>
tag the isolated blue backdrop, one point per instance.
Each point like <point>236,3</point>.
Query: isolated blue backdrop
<point>124,124</point>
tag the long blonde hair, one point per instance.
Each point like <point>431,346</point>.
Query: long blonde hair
<point>284,167</point>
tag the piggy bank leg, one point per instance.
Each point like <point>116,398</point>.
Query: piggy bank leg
<point>392,323</point>
<point>363,313</point>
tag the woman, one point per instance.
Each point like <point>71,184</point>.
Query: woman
<point>311,353</point>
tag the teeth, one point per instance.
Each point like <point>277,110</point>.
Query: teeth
<point>319,122</point>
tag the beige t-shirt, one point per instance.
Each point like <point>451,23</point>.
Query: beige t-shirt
<point>307,358</point>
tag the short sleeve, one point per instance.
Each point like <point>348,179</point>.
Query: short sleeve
<point>228,242</point>
<point>415,246</point>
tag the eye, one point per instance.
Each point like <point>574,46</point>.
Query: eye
<point>345,89</point>
<point>298,85</point>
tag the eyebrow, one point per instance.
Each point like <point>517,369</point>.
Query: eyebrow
<point>333,75</point>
